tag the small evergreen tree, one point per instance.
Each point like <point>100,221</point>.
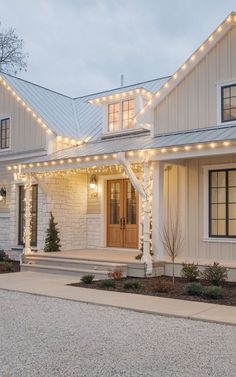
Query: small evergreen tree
<point>52,240</point>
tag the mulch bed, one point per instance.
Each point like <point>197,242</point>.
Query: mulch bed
<point>152,287</point>
<point>9,266</point>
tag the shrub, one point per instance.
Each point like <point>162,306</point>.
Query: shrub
<point>163,286</point>
<point>3,256</point>
<point>7,266</point>
<point>109,283</point>
<point>213,292</point>
<point>190,271</point>
<point>215,274</point>
<point>117,274</point>
<point>87,279</point>
<point>132,285</point>
<point>193,289</point>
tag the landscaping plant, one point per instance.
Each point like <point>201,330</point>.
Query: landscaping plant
<point>213,292</point>
<point>87,279</point>
<point>52,240</point>
<point>172,241</point>
<point>193,289</point>
<point>132,285</point>
<point>109,283</point>
<point>190,271</point>
<point>117,274</point>
<point>215,274</point>
<point>3,256</point>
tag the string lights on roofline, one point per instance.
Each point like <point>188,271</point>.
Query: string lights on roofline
<point>137,154</point>
<point>121,95</point>
<point>188,63</point>
<point>73,142</point>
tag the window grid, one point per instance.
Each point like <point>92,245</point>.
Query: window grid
<point>5,133</point>
<point>127,113</point>
<point>120,115</point>
<point>228,96</point>
<point>222,203</point>
<point>113,116</point>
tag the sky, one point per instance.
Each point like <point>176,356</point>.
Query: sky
<point>79,47</point>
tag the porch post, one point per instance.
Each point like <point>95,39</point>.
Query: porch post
<point>146,258</point>
<point>27,228</point>
<point>158,209</point>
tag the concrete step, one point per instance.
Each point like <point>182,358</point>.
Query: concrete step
<point>78,273</point>
<point>76,264</point>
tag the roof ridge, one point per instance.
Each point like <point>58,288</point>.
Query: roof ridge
<point>33,83</point>
<point>122,87</point>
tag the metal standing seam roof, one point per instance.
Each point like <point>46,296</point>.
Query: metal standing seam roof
<point>66,116</point>
<point>142,142</point>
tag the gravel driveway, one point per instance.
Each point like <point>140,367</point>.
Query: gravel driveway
<point>49,337</point>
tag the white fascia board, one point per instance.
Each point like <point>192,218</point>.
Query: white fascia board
<point>189,65</point>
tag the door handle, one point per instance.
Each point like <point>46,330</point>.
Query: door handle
<point>123,222</point>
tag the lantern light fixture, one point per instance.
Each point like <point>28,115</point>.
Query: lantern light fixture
<point>3,194</point>
<point>93,182</point>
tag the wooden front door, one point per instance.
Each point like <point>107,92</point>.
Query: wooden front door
<point>122,214</point>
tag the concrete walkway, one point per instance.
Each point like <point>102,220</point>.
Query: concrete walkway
<point>53,285</point>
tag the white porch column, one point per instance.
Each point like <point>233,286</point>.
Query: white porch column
<point>28,203</point>
<point>146,258</point>
<point>157,209</point>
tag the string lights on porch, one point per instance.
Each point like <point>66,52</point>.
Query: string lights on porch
<point>138,155</point>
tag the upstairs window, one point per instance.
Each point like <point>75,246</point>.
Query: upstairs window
<point>228,95</point>
<point>4,133</point>
<point>120,115</point>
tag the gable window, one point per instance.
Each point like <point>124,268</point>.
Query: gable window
<point>222,203</point>
<point>120,115</point>
<point>228,95</point>
<point>4,133</point>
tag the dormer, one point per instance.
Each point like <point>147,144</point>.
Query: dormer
<point>120,108</point>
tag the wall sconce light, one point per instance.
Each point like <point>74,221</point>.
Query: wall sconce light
<point>93,182</point>
<point>3,194</point>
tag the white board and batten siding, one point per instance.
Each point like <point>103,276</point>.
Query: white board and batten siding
<point>193,103</point>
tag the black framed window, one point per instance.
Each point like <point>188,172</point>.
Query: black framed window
<point>34,215</point>
<point>5,133</point>
<point>228,96</point>
<point>222,203</point>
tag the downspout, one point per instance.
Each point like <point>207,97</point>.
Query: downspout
<point>143,191</point>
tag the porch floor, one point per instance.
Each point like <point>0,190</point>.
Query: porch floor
<point>106,255</point>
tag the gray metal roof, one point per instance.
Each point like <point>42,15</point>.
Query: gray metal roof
<point>142,142</point>
<point>66,116</point>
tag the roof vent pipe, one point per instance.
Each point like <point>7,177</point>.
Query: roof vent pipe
<point>122,81</point>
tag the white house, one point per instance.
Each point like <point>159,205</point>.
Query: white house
<point>106,163</point>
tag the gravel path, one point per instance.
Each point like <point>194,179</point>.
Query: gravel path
<point>47,337</point>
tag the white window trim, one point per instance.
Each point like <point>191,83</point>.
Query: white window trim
<point>219,103</point>
<point>4,150</point>
<point>206,170</point>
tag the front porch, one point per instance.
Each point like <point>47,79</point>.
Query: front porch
<point>95,261</point>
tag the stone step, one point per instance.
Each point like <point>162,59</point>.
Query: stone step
<point>78,273</point>
<point>76,264</point>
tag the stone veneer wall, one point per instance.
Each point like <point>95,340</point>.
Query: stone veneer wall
<point>66,197</point>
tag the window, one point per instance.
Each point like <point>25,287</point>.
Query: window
<point>113,116</point>
<point>127,113</point>
<point>222,203</point>
<point>34,214</point>
<point>228,95</point>
<point>5,133</point>
<point>120,115</point>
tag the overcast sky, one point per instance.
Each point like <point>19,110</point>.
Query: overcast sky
<point>82,46</point>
